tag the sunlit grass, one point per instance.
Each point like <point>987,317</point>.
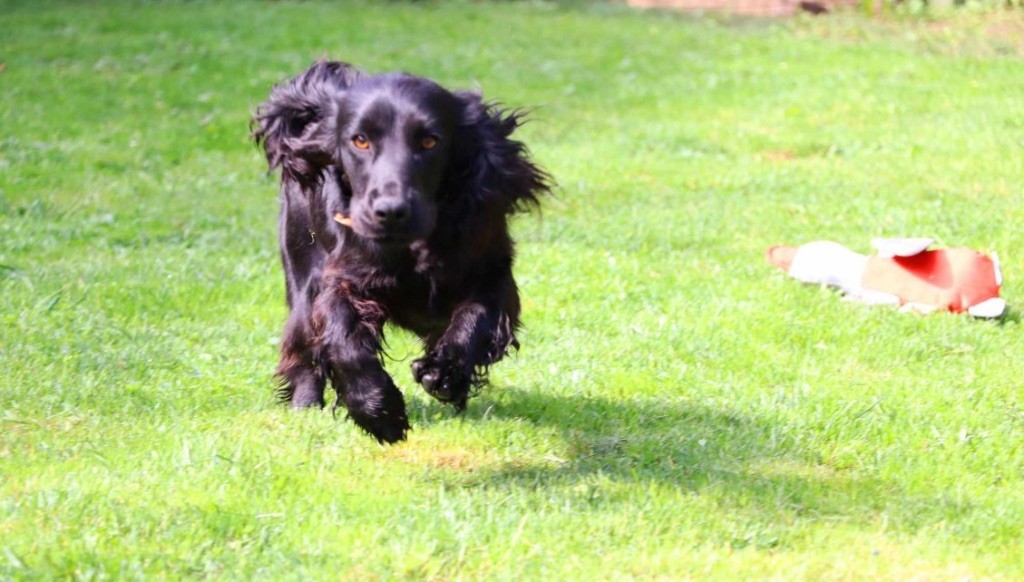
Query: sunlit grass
<point>678,409</point>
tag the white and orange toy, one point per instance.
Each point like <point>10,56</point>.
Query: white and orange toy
<point>903,272</point>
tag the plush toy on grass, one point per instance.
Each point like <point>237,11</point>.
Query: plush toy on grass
<point>903,273</point>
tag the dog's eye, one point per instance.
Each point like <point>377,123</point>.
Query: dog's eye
<point>428,142</point>
<point>361,142</point>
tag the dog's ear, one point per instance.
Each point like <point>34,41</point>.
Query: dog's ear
<point>295,127</point>
<point>489,167</point>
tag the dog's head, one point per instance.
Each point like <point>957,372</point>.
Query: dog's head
<point>403,149</point>
<point>394,136</point>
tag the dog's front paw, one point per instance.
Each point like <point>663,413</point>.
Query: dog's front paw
<point>383,416</point>
<point>446,381</point>
<point>384,428</point>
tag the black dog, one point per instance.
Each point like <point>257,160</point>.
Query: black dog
<point>395,199</point>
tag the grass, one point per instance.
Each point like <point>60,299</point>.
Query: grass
<point>678,410</point>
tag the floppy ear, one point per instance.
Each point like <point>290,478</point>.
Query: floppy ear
<point>295,127</point>
<point>494,169</point>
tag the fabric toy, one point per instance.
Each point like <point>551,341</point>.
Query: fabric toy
<point>903,273</point>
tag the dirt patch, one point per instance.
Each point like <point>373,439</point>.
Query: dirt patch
<point>1007,34</point>
<point>770,8</point>
<point>449,460</point>
<point>960,34</point>
<point>779,156</point>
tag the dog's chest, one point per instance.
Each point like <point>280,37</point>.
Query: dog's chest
<point>423,293</point>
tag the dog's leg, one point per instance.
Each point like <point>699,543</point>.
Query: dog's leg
<point>348,345</point>
<point>479,334</point>
<point>302,380</point>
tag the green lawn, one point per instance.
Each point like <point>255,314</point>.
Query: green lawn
<point>679,409</point>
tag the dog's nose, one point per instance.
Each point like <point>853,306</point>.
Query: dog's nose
<point>390,211</point>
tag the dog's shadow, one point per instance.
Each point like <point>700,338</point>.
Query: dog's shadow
<point>665,443</point>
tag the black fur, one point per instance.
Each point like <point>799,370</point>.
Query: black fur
<point>428,179</point>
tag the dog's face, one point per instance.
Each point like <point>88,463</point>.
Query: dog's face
<point>395,135</point>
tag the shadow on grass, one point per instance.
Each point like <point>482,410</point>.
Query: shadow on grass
<point>673,444</point>
<point>1012,315</point>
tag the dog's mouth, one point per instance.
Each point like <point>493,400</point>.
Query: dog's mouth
<point>384,237</point>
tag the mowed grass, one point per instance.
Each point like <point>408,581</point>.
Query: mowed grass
<point>678,410</point>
